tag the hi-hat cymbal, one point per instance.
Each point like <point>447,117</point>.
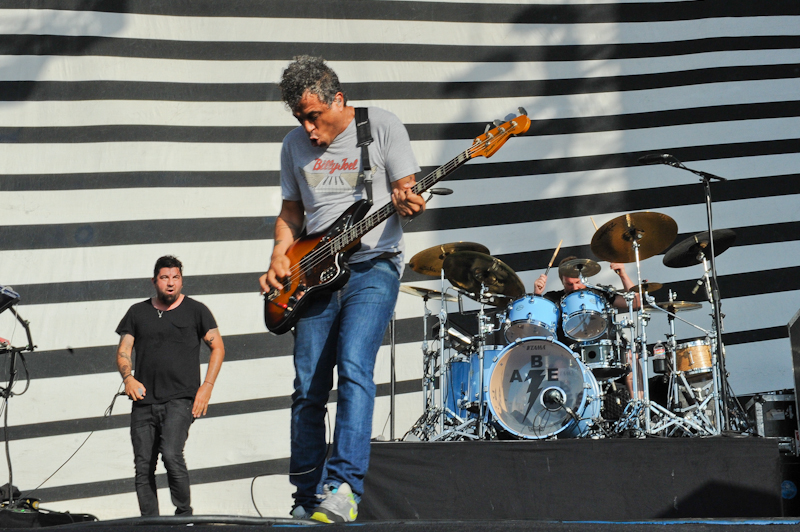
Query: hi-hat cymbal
<point>647,287</point>
<point>576,267</point>
<point>426,293</point>
<point>429,261</point>
<point>691,251</point>
<point>678,306</point>
<point>652,230</point>
<point>469,270</point>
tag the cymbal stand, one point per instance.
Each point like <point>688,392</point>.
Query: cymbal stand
<point>474,428</point>
<point>425,428</point>
<point>696,410</point>
<point>705,178</point>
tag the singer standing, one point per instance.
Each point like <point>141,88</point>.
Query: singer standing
<point>165,332</point>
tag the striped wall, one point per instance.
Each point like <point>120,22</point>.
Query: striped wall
<point>132,129</point>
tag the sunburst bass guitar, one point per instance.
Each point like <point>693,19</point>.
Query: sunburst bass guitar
<point>318,262</point>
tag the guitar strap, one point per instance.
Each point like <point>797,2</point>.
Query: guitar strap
<point>364,139</point>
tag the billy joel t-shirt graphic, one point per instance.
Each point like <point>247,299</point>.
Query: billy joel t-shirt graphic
<point>331,176</point>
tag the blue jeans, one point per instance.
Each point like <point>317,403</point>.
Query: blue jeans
<point>161,428</point>
<point>344,329</point>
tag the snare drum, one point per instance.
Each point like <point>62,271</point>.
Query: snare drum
<point>531,315</point>
<point>538,389</point>
<point>693,357</point>
<point>584,315</point>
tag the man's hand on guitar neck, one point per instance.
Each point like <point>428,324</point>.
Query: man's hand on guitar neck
<point>406,203</point>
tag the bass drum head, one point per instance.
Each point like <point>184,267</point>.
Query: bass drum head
<point>532,381</point>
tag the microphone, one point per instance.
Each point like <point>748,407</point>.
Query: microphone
<point>441,191</point>
<point>657,158</point>
<point>700,283</point>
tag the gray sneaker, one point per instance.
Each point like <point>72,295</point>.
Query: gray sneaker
<point>338,505</point>
<point>298,512</point>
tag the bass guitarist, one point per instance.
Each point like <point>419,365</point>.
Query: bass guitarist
<point>320,167</point>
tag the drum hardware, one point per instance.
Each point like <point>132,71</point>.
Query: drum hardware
<point>581,268</point>
<point>693,360</point>
<point>426,293</point>
<point>713,289</point>
<point>635,237</point>
<point>429,261</point>
<point>692,250</point>
<point>646,287</point>
<point>483,277</point>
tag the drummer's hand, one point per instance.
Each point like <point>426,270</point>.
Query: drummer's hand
<point>539,284</point>
<point>618,268</point>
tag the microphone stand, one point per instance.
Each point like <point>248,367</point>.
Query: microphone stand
<point>706,178</point>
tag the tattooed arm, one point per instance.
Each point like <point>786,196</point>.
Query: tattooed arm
<point>133,388</point>
<point>201,399</point>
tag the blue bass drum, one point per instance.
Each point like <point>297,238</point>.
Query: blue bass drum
<point>538,389</point>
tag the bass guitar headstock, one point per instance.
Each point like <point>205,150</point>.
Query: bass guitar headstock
<point>491,141</point>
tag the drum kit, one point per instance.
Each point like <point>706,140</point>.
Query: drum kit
<point>530,366</point>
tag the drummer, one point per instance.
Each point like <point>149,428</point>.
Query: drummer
<point>573,284</point>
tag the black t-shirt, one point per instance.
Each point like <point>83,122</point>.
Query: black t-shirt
<point>168,347</point>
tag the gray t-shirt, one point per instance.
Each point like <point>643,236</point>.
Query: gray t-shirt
<point>325,180</point>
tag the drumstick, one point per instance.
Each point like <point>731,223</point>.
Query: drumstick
<point>554,257</point>
<point>594,224</point>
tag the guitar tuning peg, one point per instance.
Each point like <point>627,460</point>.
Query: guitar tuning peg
<point>522,111</point>
<point>488,127</point>
<point>498,123</point>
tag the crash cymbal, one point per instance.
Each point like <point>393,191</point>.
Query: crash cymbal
<point>647,287</point>
<point>574,267</point>
<point>426,293</point>
<point>429,261</point>
<point>678,306</point>
<point>468,270</point>
<point>690,251</point>
<point>614,240</point>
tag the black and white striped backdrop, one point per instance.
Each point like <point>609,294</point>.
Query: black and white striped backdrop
<point>132,129</point>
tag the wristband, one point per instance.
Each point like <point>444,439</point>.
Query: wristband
<point>126,376</point>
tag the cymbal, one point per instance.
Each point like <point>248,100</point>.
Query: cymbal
<point>678,306</point>
<point>614,240</point>
<point>690,251</point>
<point>468,270</point>
<point>574,267</point>
<point>426,293</point>
<point>429,261</point>
<point>647,287</point>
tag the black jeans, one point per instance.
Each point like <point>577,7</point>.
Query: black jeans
<point>161,428</point>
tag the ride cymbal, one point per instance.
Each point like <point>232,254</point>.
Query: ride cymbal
<point>652,230</point>
<point>471,270</point>
<point>691,251</point>
<point>426,293</point>
<point>576,267</point>
<point>429,261</point>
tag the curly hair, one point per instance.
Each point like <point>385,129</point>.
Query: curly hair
<point>167,261</point>
<point>311,74</point>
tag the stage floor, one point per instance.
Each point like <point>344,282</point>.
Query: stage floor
<point>574,480</point>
